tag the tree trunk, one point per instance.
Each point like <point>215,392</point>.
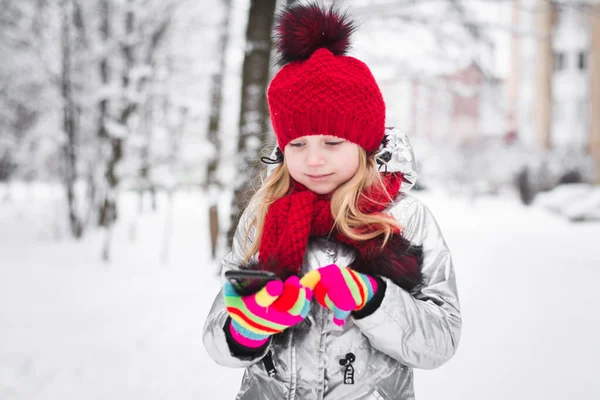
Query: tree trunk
<point>254,117</point>
<point>148,112</point>
<point>594,88</point>
<point>105,34</point>
<point>69,123</point>
<point>147,127</point>
<point>109,212</point>
<point>212,182</point>
<point>217,96</point>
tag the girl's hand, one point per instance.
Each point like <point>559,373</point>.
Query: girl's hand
<point>274,308</point>
<point>341,290</point>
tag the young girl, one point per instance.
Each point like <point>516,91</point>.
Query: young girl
<point>334,222</point>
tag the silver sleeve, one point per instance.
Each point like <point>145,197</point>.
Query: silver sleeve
<point>213,335</point>
<point>421,330</point>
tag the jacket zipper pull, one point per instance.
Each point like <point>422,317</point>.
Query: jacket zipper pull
<point>269,366</point>
<point>349,369</point>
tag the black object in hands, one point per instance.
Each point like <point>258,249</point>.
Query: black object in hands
<point>247,282</point>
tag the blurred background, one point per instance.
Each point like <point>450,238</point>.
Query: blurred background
<point>129,137</point>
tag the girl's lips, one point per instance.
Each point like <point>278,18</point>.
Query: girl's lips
<point>318,177</point>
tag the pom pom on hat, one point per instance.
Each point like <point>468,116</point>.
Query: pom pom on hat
<point>303,29</point>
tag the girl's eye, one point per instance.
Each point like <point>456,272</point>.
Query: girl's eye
<point>334,143</point>
<point>296,144</point>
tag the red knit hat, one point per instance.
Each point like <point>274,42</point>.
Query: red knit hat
<point>320,90</point>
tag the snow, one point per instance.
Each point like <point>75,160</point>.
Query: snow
<point>72,327</point>
<point>526,279</point>
<point>577,202</point>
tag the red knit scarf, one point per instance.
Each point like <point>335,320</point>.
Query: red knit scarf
<point>291,220</point>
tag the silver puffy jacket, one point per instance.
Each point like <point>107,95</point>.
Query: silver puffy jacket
<point>405,332</point>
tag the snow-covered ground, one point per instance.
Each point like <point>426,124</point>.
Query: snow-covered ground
<point>72,327</point>
<point>575,201</point>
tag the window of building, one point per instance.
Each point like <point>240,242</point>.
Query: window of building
<point>582,60</point>
<point>559,61</point>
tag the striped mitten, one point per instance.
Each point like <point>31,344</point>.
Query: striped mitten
<point>343,290</point>
<point>274,308</point>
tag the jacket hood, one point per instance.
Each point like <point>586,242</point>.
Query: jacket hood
<point>395,154</point>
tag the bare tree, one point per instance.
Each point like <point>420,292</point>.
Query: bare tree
<point>95,63</point>
<point>70,114</point>
<point>105,30</point>
<point>18,112</point>
<point>213,184</point>
<point>217,95</point>
<point>254,116</point>
<point>147,129</point>
<point>137,49</point>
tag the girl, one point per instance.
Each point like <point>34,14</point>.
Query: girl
<point>334,222</point>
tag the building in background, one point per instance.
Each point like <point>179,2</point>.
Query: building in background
<point>570,94</point>
<point>459,106</point>
<point>554,82</point>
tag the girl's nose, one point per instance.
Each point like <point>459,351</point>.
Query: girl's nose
<point>314,157</point>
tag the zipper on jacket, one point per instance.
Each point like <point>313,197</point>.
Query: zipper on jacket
<point>292,394</point>
<point>330,251</point>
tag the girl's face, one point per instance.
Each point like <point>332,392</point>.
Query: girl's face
<point>320,162</point>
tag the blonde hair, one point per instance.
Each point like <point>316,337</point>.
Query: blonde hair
<point>348,218</point>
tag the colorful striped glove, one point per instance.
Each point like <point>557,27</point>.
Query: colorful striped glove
<point>343,290</point>
<point>274,308</point>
